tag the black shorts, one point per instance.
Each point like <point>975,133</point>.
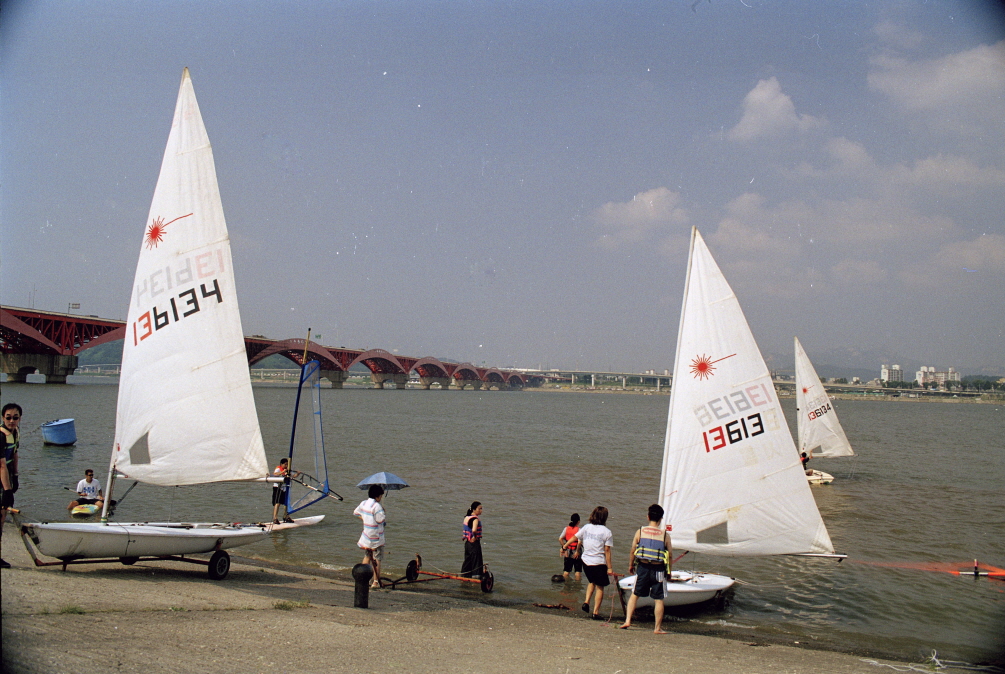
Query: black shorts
<point>86,501</point>
<point>278,495</point>
<point>649,581</point>
<point>572,563</point>
<point>597,574</point>
<point>6,498</point>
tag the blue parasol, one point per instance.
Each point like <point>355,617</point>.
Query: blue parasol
<point>386,480</point>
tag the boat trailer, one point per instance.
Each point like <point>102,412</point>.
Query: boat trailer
<point>414,569</point>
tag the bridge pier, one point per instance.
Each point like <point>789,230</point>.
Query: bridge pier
<point>425,382</point>
<point>336,377</point>
<point>55,368</point>
<point>380,378</point>
<point>462,384</point>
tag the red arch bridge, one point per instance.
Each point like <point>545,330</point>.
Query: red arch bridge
<point>49,343</point>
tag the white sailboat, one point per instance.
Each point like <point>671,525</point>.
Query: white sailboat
<point>732,483</point>
<point>185,412</point>
<point>819,431</point>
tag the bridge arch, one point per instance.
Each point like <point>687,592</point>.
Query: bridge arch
<point>494,377</point>
<point>466,374</point>
<point>293,349</point>
<point>431,367</point>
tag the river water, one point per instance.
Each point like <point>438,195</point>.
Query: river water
<point>927,487</point>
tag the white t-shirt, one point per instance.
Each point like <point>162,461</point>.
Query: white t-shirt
<point>373,517</point>
<point>89,489</point>
<point>594,538</point>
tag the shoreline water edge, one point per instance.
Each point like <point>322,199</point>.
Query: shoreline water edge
<point>166,617</point>
<point>909,395</point>
<point>902,509</point>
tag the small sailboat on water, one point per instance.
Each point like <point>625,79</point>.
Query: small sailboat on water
<point>819,431</point>
<point>732,483</point>
<point>185,413</point>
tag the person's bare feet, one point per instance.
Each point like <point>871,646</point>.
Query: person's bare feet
<point>660,631</point>
<point>625,626</point>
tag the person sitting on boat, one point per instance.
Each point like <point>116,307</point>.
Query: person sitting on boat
<point>279,490</point>
<point>372,538</point>
<point>570,554</point>
<point>804,457</point>
<point>10,438</point>
<point>88,492</point>
<point>650,554</point>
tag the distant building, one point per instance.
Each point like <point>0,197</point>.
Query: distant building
<point>927,376</point>
<point>894,373</point>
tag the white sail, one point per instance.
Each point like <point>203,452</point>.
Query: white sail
<point>820,432</point>
<point>186,413</point>
<point>732,481</point>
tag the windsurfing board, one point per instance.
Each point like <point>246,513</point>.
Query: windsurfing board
<point>85,510</point>
<point>298,522</point>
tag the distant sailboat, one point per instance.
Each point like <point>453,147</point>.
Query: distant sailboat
<point>185,413</point>
<point>820,433</point>
<point>732,483</point>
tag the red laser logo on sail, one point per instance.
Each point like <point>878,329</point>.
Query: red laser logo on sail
<point>155,233</point>
<point>701,366</point>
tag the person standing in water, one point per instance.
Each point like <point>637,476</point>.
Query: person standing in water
<point>651,553</point>
<point>472,533</point>
<point>10,439</point>
<point>281,489</point>
<point>596,540</point>
<point>570,555</point>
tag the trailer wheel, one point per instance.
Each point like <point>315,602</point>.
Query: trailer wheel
<point>219,565</point>
<point>488,581</point>
<point>129,561</point>
<point>411,571</point>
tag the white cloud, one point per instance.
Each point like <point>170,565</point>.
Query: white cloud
<point>767,112</point>
<point>984,257</point>
<point>850,155</point>
<point>949,173</point>
<point>969,81</point>
<point>636,221</point>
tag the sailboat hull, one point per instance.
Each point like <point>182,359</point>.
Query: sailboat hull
<point>91,540</point>
<point>819,477</point>
<point>684,589</point>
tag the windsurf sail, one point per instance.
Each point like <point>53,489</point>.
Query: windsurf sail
<point>308,480</point>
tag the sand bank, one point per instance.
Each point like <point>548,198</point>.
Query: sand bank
<point>168,617</point>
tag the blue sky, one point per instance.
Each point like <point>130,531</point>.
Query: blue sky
<point>514,183</point>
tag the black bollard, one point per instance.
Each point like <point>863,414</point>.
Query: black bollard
<point>362,573</point>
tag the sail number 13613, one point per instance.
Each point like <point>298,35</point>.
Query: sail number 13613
<point>733,432</point>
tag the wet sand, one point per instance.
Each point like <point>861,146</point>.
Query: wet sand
<point>169,617</point>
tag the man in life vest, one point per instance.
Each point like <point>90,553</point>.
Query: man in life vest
<point>650,554</point>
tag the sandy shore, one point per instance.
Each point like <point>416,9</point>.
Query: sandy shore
<point>169,617</point>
